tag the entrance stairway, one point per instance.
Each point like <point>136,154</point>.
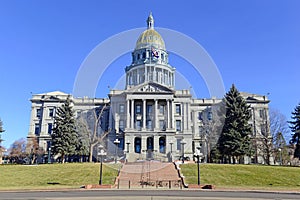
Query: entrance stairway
<point>148,174</point>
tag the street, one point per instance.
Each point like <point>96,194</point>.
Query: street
<point>145,195</point>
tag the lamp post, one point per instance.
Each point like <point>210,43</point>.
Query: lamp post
<point>280,156</point>
<point>197,155</point>
<point>116,142</point>
<point>127,143</point>
<point>171,152</point>
<point>31,155</point>
<point>49,155</point>
<point>171,144</point>
<point>101,154</point>
<point>182,149</point>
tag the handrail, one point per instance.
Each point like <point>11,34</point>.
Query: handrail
<point>180,176</point>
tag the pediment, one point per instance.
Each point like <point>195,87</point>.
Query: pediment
<point>50,98</point>
<point>151,88</point>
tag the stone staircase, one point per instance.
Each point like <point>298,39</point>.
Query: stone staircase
<point>148,174</point>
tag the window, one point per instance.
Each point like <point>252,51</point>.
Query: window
<point>51,112</point>
<point>149,109</point>
<point>138,109</point>
<point>162,145</point>
<point>178,109</point>
<point>200,115</point>
<point>138,125</point>
<point>162,125</point>
<point>178,144</point>
<point>121,125</point>
<point>137,145</point>
<point>149,124</point>
<point>178,125</point>
<point>144,54</point>
<point>38,112</point>
<point>162,109</point>
<point>122,108</point>
<point>37,129</point>
<point>209,115</point>
<point>49,128</point>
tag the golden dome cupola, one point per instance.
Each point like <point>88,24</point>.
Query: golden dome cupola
<point>150,59</point>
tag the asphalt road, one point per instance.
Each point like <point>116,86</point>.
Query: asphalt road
<point>145,195</point>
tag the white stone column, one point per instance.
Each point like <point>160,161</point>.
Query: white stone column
<point>188,126</point>
<point>184,117</point>
<point>44,124</point>
<point>146,73</point>
<point>143,144</point>
<point>117,121</point>
<point>173,114</point>
<point>132,113</point>
<point>32,124</point>
<point>128,114</point>
<point>144,115</point>
<point>155,115</point>
<point>168,114</point>
<point>156,143</point>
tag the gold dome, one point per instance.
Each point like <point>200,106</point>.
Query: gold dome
<point>150,38</point>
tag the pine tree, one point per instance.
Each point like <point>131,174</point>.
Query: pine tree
<point>295,128</point>
<point>234,140</point>
<point>64,137</point>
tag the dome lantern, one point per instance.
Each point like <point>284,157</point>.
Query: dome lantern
<point>150,21</point>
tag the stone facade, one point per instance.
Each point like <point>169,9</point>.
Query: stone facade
<point>149,117</point>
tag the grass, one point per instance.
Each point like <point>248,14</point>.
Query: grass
<point>244,176</point>
<point>74,175</point>
<point>51,176</point>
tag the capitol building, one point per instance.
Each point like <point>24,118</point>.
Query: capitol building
<point>149,118</point>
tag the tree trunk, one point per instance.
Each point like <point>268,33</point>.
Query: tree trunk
<point>62,158</point>
<point>91,152</point>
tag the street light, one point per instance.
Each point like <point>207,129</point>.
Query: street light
<point>171,144</point>
<point>31,156</point>
<point>101,154</point>
<point>116,142</point>
<point>182,148</point>
<point>128,143</point>
<point>197,155</point>
<point>280,156</point>
<point>49,155</point>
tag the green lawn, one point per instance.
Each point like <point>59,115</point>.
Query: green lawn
<point>47,176</point>
<point>74,175</point>
<point>244,176</point>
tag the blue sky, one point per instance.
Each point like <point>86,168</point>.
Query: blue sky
<point>254,43</point>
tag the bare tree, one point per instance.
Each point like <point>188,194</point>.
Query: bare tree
<point>279,129</point>
<point>90,127</point>
<point>278,124</point>
<point>17,151</point>
<point>33,149</point>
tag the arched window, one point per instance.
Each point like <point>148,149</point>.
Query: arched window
<point>137,145</point>
<point>162,145</point>
<point>144,54</point>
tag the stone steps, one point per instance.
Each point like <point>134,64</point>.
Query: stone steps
<point>147,173</point>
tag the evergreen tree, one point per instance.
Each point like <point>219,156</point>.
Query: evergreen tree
<point>295,128</point>
<point>234,140</point>
<point>64,137</point>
